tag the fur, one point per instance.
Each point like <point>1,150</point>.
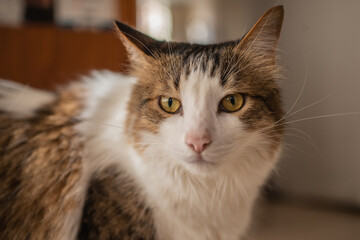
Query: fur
<point>99,158</point>
<point>22,101</point>
<point>42,183</point>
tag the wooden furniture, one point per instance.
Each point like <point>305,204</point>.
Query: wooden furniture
<point>45,56</point>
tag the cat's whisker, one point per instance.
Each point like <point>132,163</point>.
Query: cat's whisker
<point>308,106</point>
<point>298,97</point>
<point>309,139</point>
<point>301,91</point>
<point>321,116</point>
<point>289,146</point>
<point>273,126</point>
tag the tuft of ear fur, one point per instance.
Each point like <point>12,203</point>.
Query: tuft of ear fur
<point>263,37</point>
<point>139,46</point>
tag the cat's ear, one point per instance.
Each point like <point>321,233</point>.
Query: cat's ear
<point>139,46</point>
<point>263,37</point>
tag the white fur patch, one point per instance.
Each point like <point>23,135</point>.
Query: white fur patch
<point>106,94</point>
<point>21,100</point>
<point>103,118</point>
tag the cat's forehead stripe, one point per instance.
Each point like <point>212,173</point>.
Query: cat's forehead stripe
<point>209,60</point>
<point>215,65</point>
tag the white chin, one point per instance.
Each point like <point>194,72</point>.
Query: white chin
<point>201,167</point>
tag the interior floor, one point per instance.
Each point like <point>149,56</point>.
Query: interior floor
<point>288,221</point>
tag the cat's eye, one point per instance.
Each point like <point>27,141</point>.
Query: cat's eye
<point>169,104</point>
<point>232,102</point>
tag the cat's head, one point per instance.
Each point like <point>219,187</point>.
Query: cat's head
<point>204,107</point>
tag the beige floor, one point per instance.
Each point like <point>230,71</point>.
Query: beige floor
<point>284,221</point>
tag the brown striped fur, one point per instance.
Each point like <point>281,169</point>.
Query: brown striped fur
<point>40,172</point>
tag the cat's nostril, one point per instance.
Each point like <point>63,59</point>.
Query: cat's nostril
<point>198,144</point>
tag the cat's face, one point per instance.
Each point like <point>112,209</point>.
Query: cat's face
<point>206,107</point>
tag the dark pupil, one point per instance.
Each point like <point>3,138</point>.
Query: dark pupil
<point>170,102</point>
<point>232,100</point>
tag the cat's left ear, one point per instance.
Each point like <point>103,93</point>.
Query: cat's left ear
<point>263,37</point>
<point>139,46</point>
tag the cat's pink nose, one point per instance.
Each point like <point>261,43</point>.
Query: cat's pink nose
<point>197,143</point>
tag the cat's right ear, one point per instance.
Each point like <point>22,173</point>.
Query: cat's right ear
<point>139,46</point>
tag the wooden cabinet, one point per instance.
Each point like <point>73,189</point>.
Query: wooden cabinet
<point>45,56</point>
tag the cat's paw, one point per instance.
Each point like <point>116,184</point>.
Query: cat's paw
<point>20,100</point>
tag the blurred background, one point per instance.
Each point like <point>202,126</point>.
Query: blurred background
<point>315,192</point>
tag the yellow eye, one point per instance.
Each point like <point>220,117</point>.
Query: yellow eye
<point>169,105</point>
<point>232,102</point>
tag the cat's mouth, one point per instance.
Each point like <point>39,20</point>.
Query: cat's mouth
<point>201,161</point>
<point>200,165</point>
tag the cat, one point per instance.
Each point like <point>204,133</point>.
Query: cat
<point>178,150</point>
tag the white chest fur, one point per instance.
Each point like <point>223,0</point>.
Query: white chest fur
<point>188,207</point>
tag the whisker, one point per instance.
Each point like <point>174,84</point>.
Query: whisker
<point>310,140</point>
<point>310,105</point>
<point>323,116</point>
<point>299,96</point>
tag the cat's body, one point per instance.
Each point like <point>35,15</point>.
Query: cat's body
<point>143,172</point>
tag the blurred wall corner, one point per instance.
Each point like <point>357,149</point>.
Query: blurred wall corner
<point>12,12</point>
